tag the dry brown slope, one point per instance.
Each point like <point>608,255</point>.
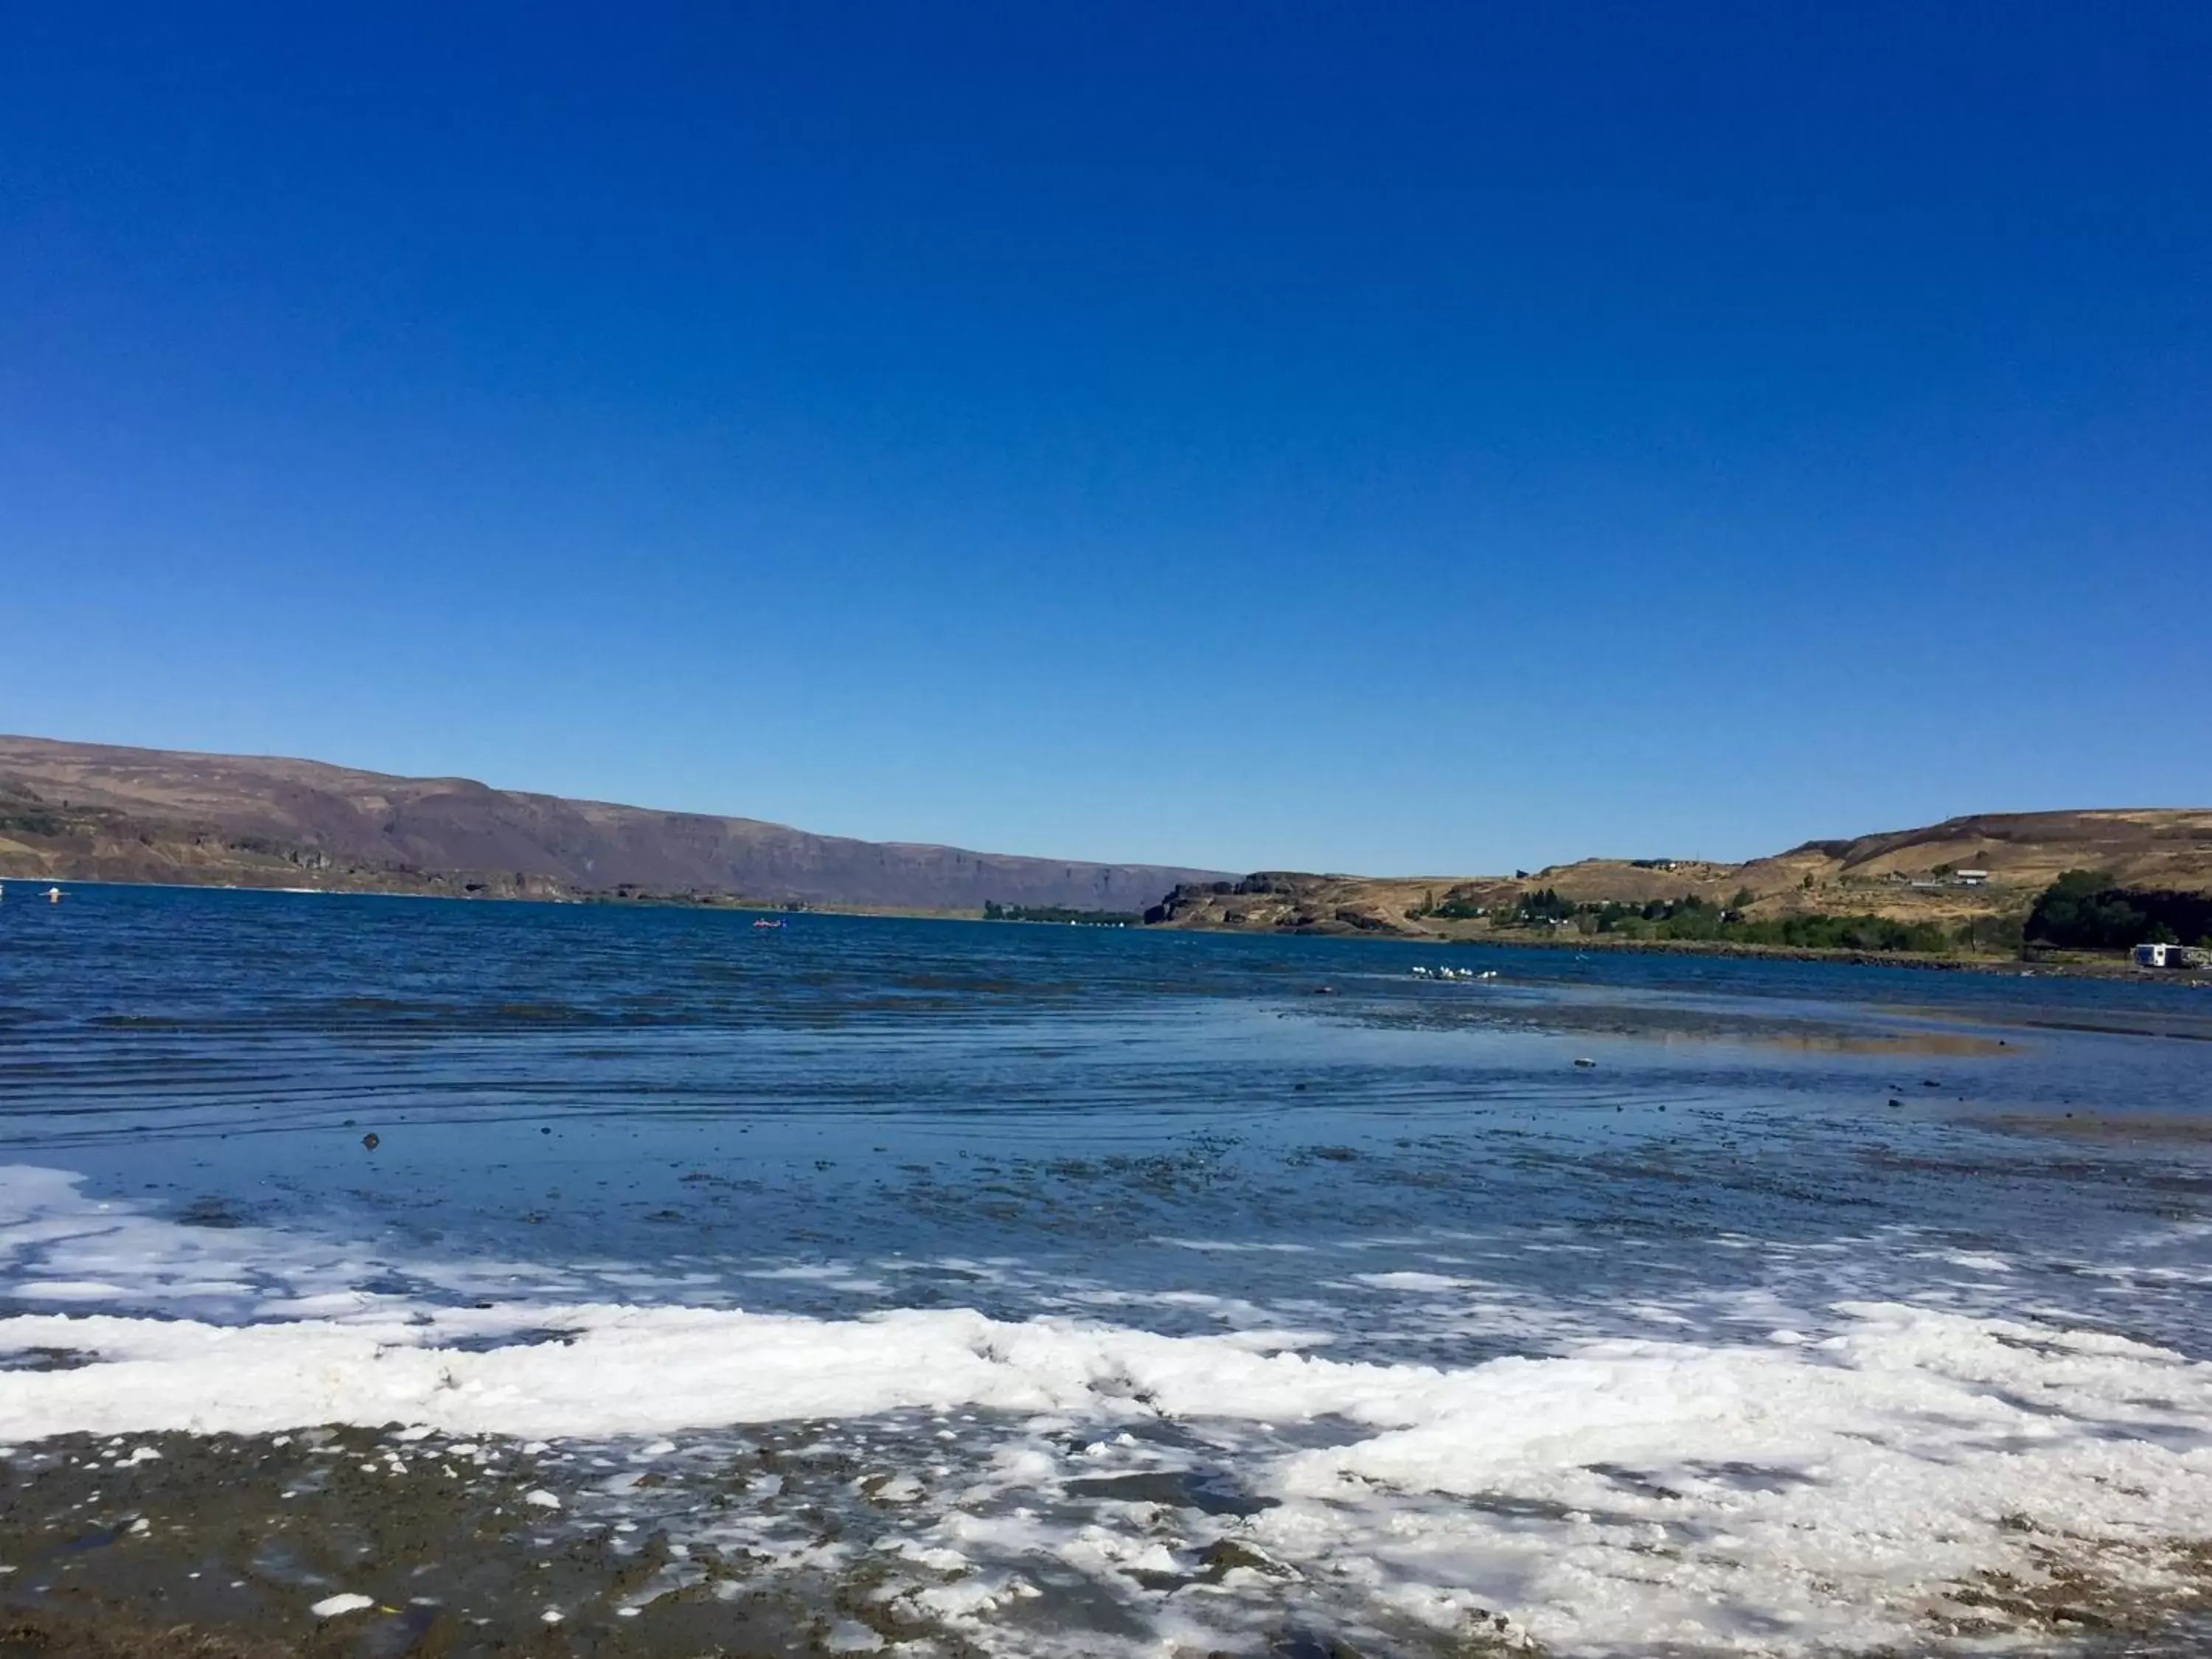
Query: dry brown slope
<point>141,813</point>
<point>1910,875</point>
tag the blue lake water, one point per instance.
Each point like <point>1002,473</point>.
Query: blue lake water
<point>1091,1107</point>
<point>1171,1134</point>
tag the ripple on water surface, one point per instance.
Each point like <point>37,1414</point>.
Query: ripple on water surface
<point>1036,1289</point>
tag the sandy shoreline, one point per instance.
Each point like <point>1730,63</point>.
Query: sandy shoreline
<point>226,1545</point>
<point>352,1541</point>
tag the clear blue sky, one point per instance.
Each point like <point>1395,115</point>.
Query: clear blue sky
<point>1365,437</point>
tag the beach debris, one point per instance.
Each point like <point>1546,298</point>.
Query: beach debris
<point>332,1606</point>
<point>371,1140</point>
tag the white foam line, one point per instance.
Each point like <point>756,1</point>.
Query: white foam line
<point>1801,1493</point>
<point>1888,1459</point>
<point>620,1369</point>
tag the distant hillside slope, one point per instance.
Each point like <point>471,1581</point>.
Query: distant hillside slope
<point>2143,847</point>
<point>1905,875</point>
<point>97,812</point>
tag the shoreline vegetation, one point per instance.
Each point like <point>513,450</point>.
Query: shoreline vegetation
<point>2055,891</point>
<point>2085,922</point>
<point>1975,890</point>
<point>2035,957</point>
<point>993,911</point>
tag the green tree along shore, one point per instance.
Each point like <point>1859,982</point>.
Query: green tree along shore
<point>2084,910</point>
<point>994,911</point>
<point>1701,920</point>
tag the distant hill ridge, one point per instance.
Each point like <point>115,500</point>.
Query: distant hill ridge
<point>1984,865</point>
<point>95,811</point>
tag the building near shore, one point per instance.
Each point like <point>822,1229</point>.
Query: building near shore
<point>2172,956</point>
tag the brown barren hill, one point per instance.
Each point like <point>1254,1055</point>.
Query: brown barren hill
<point>1985,866</point>
<point>94,812</point>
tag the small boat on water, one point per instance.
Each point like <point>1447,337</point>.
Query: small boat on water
<point>769,922</point>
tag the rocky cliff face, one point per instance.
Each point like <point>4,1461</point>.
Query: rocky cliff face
<point>98,812</point>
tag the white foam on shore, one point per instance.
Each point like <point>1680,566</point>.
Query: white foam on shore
<point>1797,1494</point>
<point>1624,1495</point>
